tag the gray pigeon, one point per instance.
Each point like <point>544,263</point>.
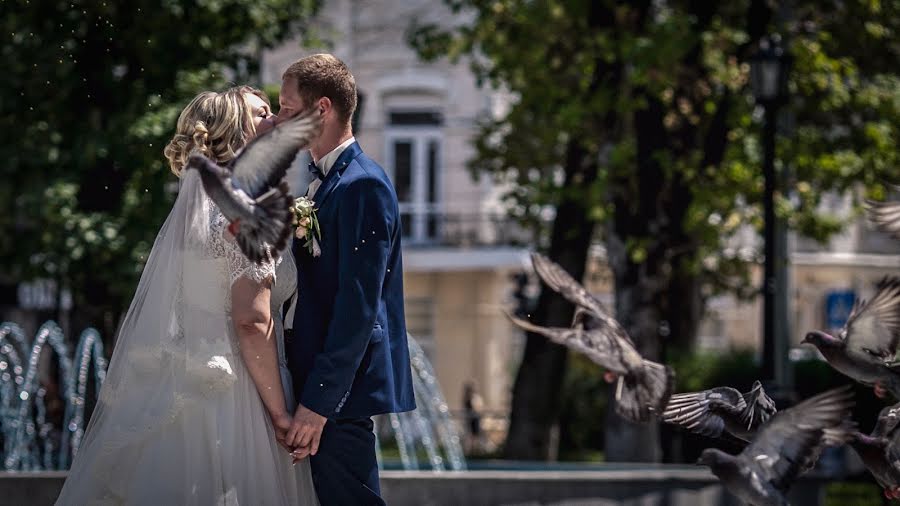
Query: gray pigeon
<point>725,410</point>
<point>885,215</point>
<point>865,348</point>
<point>722,409</point>
<point>762,474</point>
<point>879,451</point>
<point>249,190</point>
<point>643,386</point>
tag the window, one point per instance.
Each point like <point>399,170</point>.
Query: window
<point>414,159</point>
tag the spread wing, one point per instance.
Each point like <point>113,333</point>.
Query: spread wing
<point>604,349</point>
<point>561,282</point>
<point>874,326</point>
<point>264,161</point>
<point>785,445</point>
<point>704,412</point>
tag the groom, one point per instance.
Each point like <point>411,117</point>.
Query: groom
<point>348,354</point>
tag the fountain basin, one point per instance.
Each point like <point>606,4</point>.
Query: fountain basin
<point>604,485</point>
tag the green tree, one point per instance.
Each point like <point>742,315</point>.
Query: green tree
<point>634,120</point>
<point>89,97</point>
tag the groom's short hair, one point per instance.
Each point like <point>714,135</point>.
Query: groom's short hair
<point>324,75</point>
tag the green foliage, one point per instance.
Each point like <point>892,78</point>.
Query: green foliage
<point>89,98</point>
<point>855,493</point>
<point>583,414</point>
<point>702,370</point>
<point>690,59</point>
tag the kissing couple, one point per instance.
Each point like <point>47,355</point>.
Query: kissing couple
<point>208,399</point>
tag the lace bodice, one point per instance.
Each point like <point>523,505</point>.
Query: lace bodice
<point>219,258</point>
<point>221,245</point>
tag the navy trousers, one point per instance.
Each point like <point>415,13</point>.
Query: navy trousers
<point>345,470</point>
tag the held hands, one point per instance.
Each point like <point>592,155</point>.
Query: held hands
<point>282,424</point>
<point>304,433</point>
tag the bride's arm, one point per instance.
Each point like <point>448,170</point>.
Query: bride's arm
<point>256,334</point>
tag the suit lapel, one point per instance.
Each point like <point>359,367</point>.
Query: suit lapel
<point>327,186</point>
<point>334,175</point>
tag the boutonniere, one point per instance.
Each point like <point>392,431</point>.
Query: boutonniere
<point>304,211</point>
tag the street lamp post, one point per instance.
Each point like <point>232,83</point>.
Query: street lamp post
<point>768,81</point>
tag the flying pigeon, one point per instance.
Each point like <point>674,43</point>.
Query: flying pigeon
<point>879,450</point>
<point>885,215</point>
<point>721,409</point>
<point>864,349</point>
<point>762,474</point>
<point>643,386</point>
<point>249,190</point>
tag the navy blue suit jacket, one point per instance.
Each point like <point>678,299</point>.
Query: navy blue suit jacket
<point>349,356</point>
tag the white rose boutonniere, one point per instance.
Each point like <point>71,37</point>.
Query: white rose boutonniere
<point>304,211</point>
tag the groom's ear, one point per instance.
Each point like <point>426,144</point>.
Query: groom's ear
<point>324,105</point>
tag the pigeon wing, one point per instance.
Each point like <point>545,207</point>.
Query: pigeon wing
<point>874,326</point>
<point>564,284</point>
<point>264,161</point>
<point>784,447</point>
<point>602,349</point>
<point>704,412</point>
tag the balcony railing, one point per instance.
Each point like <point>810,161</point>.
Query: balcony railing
<point>463,230</point>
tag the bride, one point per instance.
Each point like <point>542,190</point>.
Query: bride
<point>197,392</point>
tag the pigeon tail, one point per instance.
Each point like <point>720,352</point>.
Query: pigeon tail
<point>639,395</point>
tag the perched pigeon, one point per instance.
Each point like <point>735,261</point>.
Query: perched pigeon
<point>642,385</point>
<point>722,409</point>
<point>249,190</point>
<point>762,474</point>
<point>864,349</point>
<point>879,451</point>
<point>885,215</point>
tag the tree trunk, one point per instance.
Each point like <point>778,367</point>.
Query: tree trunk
<point>536,401</point>
<point>651,211</point>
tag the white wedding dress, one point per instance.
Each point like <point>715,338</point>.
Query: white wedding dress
<point>179,420</point>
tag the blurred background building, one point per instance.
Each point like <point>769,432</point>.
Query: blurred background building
<point>461,254</point>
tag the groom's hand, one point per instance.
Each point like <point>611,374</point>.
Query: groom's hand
<point>305,432</point>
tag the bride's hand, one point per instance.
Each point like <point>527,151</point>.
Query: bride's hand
<point>282,424</point>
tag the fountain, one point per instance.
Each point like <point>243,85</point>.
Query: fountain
<point>31,441</point>
<point>429,425</point>
<point>35,438</point>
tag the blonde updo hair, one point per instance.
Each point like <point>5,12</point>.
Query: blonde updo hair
<point>216,124</point>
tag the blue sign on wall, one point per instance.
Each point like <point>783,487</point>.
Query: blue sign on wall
<point>838,304</point>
